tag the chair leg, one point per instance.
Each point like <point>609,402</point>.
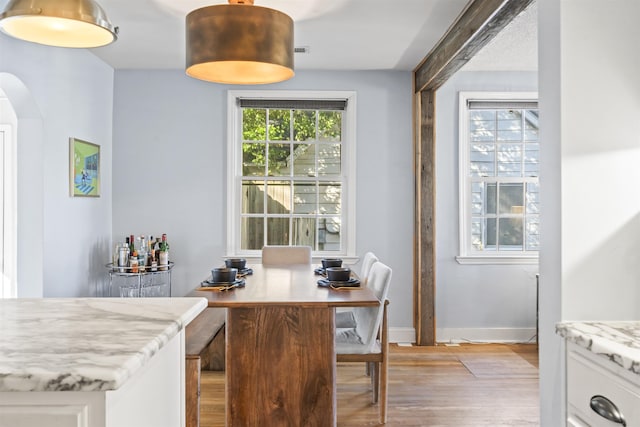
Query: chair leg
<point>375,381</point>
<point>384,371</point>
<point>384,367</point>
<point>367,367</point>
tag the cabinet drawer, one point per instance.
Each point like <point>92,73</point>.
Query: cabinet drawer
<point>588,377</point>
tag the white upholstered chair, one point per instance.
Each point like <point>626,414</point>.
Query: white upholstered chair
<point>367,262</point>
<point>286,255</point>
<point>344,316</point>
<point>368,341</point>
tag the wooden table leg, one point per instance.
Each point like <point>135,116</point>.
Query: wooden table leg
<point>192,393</point>
<point>281,366</point>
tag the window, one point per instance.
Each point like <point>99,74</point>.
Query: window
<point>291,171</point>
<point>499,169</point>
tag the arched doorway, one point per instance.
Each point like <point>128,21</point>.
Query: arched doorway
<point>8,208</point>
<point>27,139</point>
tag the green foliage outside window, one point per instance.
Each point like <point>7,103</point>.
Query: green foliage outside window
<point>254,133</point>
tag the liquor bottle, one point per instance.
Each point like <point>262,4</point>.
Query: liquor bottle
<point>132,246</point>
<point>150,251</point>
<point>163,256</point>
<point>133,261</point>
<point>142,254</point>
<point>164,244</point>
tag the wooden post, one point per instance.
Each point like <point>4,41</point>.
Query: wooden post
<point>476,26</point>
<point>425,217</point>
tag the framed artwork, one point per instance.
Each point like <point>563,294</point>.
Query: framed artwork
<point>84,168</point>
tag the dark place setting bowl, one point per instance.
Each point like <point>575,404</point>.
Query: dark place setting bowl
<point>331,262</point>
<point>223,275</point>
<point>237,263</point>
<point>338,274</point>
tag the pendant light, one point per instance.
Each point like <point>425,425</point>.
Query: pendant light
<point>239,43</point>
<point>63,23</point>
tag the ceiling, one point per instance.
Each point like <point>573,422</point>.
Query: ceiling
<point>514,49</point>
<point>339,34</point>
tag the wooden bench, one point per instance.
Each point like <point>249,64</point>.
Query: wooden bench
<point>204,350</point>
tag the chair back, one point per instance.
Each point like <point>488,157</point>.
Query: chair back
<point>368,319</point>
<point>286,255</point>
<point>367,262</point>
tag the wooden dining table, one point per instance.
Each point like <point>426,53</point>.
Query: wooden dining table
<point>280,352</point>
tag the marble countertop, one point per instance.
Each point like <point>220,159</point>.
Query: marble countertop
<point>85,344</point>
<point>618,341</point>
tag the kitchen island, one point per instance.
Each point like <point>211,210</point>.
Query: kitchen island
<point>94,362</point>
<point>603,372</point>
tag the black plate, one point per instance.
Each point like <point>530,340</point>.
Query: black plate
<point>351,283</point>
<point>320,271</point>
<point>237,283</point>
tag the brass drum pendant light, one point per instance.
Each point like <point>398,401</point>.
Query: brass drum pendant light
<point>63,23</point>
<point>239,43</point>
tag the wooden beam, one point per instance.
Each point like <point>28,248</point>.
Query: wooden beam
<point>425,217</point>
<point>475,27</point>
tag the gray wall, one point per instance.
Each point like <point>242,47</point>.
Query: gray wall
<point>170,156</point>
<point>169,159</point>
<point>63,242</point>
<point>475,302</point>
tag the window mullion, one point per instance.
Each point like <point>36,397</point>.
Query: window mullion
<point>522,146</point>
<point>316,181</point>
<point>265,221</point>
<point>291,180</point>
<point>524,215</point>
<point>498,216</point>
<point>265,210</point>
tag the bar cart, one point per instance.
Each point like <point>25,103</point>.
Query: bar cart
<point>131,282</point>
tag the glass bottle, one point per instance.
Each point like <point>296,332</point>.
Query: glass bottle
<point>142,254</point>
<point>150,251</point>
<point>163,257</point>
<point>133,262</point>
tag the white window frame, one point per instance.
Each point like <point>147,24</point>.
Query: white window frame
<point>465,254</point>
<point>234,167</point>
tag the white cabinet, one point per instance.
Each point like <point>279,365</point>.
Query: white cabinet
<point>594,380</point>
<point>153,397</point>
<point>94,362</point>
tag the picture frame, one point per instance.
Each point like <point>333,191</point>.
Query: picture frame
<point>84,168</point>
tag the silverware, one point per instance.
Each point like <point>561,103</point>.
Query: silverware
<point>218,288</point>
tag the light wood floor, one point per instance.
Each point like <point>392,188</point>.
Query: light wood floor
<point>470,385</point>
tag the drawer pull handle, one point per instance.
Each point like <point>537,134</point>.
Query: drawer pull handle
<point>607,409</point>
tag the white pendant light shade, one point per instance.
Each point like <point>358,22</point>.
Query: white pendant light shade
<point>239,44</point>
<point>63,23</point>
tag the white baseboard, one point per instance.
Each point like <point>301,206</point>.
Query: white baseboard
<point>486,335</point>
<point>468,335</point>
